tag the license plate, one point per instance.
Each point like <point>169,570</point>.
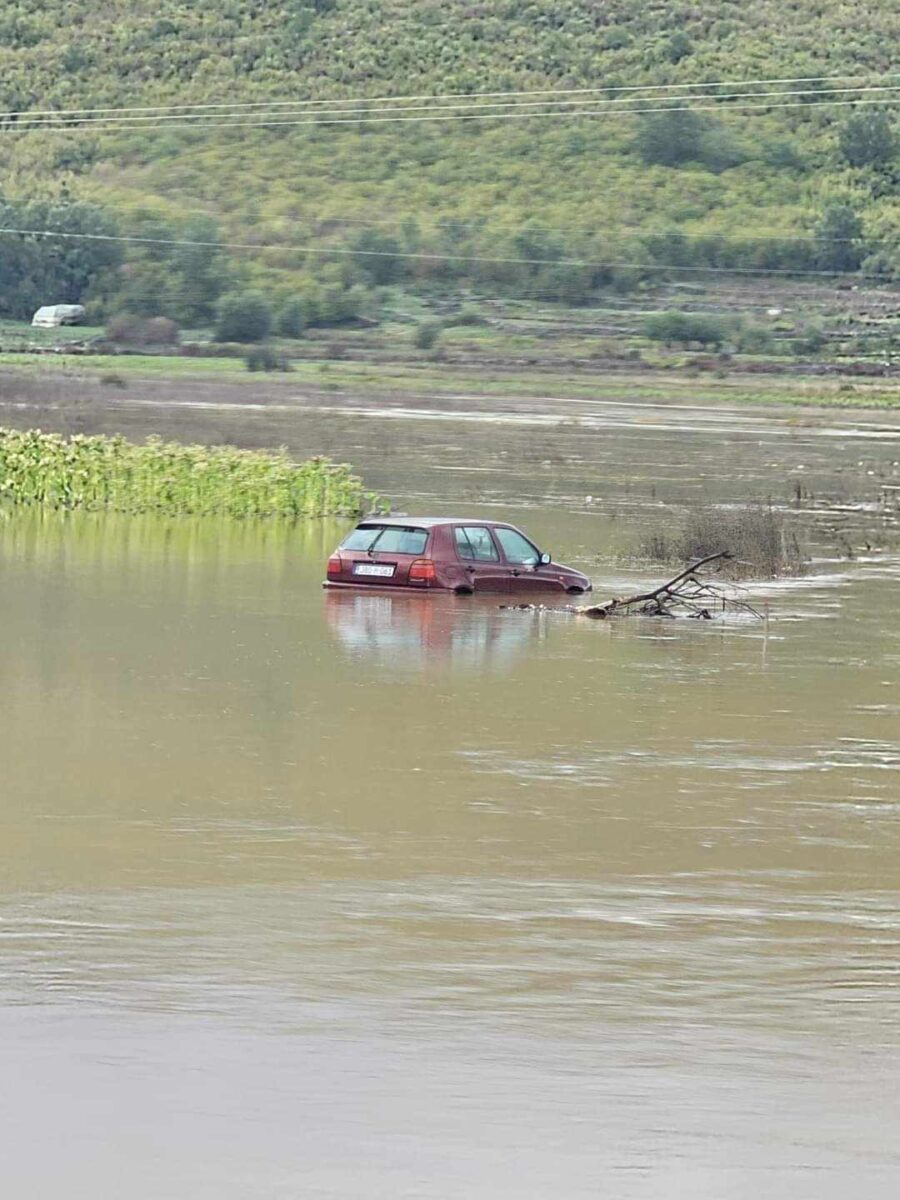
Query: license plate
<point>382,570</point>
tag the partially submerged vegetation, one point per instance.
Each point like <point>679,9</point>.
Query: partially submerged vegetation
<point>690,593</point>
<point>753,539</point>
<point>169,478</point>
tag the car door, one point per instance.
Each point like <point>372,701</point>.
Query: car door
<point>523,561</point>
<point>480,558</point>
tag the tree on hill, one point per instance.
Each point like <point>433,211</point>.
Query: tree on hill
<point>291,319</point>
<point>685,329</point>
<point>36,270</point>
<point>675,136</point>
<point>243,317</point>
<point>174,271</point>
<point>670,138</point>
<point>868,140</point>
<point>840,233</point>
<point>203,272</point>
<point>378,254</point>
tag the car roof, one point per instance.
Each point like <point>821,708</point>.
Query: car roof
<point>427,522</point>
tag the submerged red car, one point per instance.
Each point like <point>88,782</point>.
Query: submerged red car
<point>452,554</point>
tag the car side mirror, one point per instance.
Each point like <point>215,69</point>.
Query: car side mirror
<point>544,559</point>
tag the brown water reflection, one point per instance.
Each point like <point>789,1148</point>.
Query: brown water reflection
<point>308,894</point>
<point>432,632</point>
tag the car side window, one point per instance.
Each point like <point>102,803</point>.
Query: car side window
<point>518,549</point>
<point>474,542</point>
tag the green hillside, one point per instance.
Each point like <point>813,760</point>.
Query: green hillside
<point>591,202</point>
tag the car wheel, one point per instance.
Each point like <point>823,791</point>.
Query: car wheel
<point>463,591</point>
<point>575,591</point>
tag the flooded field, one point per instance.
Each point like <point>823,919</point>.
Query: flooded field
<point>366,896</point>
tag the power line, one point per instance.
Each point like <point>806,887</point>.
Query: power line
<point>637,231</point>
<point>398,116</point>
<point>266,124</point>
<point>364,113</point>
<point>460,96</point>
<point>465,258</point>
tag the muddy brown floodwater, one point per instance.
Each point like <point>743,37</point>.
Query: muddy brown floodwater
<point>370,896</point>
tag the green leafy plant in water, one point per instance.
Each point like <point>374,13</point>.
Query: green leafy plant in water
<point>173,479</point>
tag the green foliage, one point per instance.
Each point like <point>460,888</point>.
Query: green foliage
<point>467,315</point>
<point>682,328</point>
<point>868,139</point>
<point>671,138</point>
<point>810,339</point>
<point>840,231</point>
<point>678,46</point>
<point>755,339</point>
<point>38,270</point>
<point>378,256</point>
<point>675,137</point>
<point>243,317</point>
<point>166,477</point>
<point>265,358</point>
<point>427,335</point>
<point>175,270</point>
<point>668,139</point>
<point>453,195</point>
<point>291,319</point>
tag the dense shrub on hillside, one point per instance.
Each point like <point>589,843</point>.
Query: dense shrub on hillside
<point>378,256</point>
<point>682,328</point>
<point>840,233</point>
<point>291,319</point>
<point>809,338</point>
<point>243,317</point>
<point>265,358</point>
<point>672,138</point>
<point>755,339</point>
<point>427,335</point>
<point>868,139</point>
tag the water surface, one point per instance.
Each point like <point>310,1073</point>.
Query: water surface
<point>343,896</point>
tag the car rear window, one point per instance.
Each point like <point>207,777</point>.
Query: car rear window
<point>390,539</point>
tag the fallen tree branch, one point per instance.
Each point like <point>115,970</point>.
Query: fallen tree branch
<point>658,601</point>
<point>685,594</point>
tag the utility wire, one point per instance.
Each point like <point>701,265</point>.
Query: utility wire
<point>354,116</point>
<point>462,97</point>
<point>364,113</point>
<point>266,123</point>
<point>467,258</point>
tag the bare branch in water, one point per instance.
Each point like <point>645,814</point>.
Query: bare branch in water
<point>685,594</point>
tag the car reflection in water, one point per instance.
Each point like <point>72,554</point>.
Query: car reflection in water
<point>409,632</point>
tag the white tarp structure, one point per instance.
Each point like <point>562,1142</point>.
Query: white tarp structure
<point>51,316</point>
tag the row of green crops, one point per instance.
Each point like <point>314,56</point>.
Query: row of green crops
<point>166,477</point>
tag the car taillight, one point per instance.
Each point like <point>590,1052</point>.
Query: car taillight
<point>335,566</point>
<point>422,571</point>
